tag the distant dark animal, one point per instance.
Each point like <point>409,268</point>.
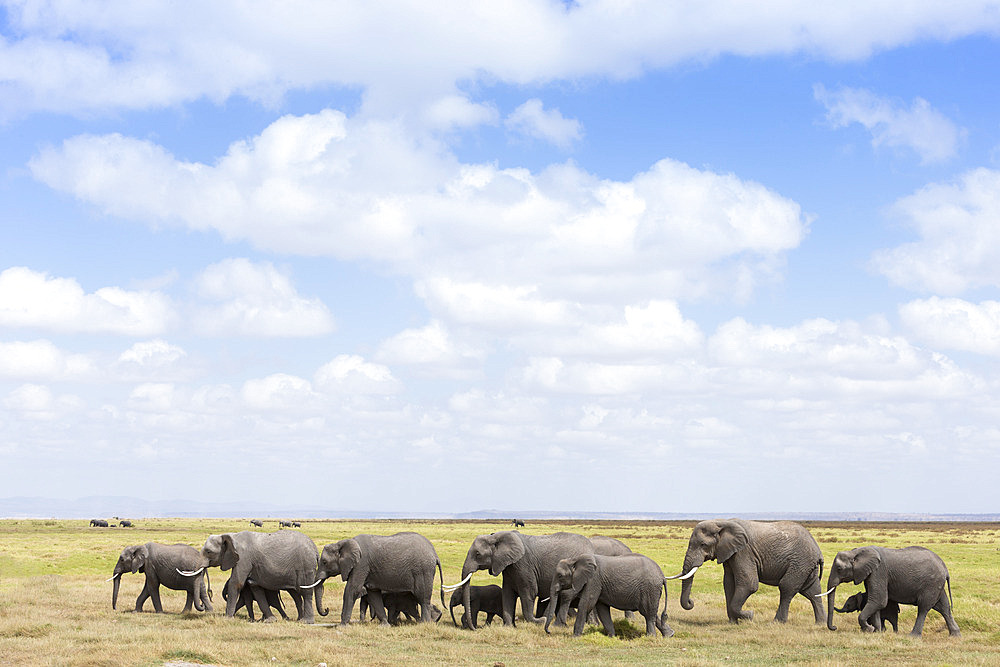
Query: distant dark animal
<point>284,524</point>
<point>100,523</point>
<point>890,612</point>
<point>257,522</point>
<point>125,523</point>
<point>483,598</point>
<point>517,523</point>
<point>296,524</point>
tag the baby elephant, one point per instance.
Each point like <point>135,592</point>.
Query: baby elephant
<point>481,598</point>
<point>251,591</point>
<point>632,582</point>
<point>889,613</point>
<point>395,604</point>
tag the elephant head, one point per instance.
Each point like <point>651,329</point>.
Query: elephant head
<point>132,559</point>
<point>571,574</point>
<point>853,603</point>
<point>339,558</point>
<point>710,540</point>
<point>495,552</point>
<point>855,565</point>
<point>221,551</point>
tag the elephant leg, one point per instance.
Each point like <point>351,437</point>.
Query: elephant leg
<point>154,595</point>
<point>565,604</point>
<point>528,606</point>
<point>943,607</point>
<point>260,595</point>
<point>206,601</point>
<point>630,615</point>
<point>918,626</point>
<point>143,596</point>
<point>737,593</point>
<point>377,605</point>
<point>188,601</point>
<point>425,610</point>
<point>604,614</point>
<point>509,601</point>
<point>306,612</point>
<point>811,593</point>
<point>475,614</point>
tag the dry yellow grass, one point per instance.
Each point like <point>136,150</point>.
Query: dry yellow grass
<point>55,607</point>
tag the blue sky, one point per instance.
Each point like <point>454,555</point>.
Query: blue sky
<point>693,257</point>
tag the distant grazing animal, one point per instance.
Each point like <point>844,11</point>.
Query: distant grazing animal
<point>257,522</point>
<point>517,523</point>
<point>284,524</point>
<point>100,523</point>
<point>125,523</point>
<point>296,524</point>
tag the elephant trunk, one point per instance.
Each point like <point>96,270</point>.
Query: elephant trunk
<point>320,609</point>
<point>468,568</point>
<point>117,577</point>
<point>691,561</point>
<point>831,594</point>
<point>456,599</point>
<point>550,609</point>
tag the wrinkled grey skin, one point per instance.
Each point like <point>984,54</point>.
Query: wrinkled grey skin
<point>160,562</point>
<point>776,553</point>
<point>609,546</point>
<point>396,604</point>
<point>273,561</point>
<point>484,598</point>
<point>528,564</point>
<point>913,575</point>
<point>380,564</point>
<point>889,613</point>
<point>633,582</point>
<point>251,593</point>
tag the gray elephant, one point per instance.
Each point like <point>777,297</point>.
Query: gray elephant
<point>396,604</point>
<point>252,593</point>
<point>286,560</point>
<point>284,524</point>
<point>257,522</point>
<point>380,564</point>
<point>889,613</point>
<point>632,582</point>
<point>125,523</point>
<point>483,598</point>
<point>176,566</point>
<point>609,546</point>
<point>913,575</point>
<point>98,523</point>
<point>528,565</point>
<point>776,553</point>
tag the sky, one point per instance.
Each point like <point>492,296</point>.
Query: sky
<point>531,255</point>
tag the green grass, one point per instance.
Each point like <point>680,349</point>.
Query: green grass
<point>55,607</point>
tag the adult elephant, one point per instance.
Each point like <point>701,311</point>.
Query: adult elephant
<point>776,553</point>
<point>609,546</point>
<point>176,566</point>
<point>273,561</point>
<point>98,523</point>
<point>381,564</point>
<point>912,575</point>
<point>528,565</point>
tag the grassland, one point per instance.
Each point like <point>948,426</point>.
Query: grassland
<point>56,609</point>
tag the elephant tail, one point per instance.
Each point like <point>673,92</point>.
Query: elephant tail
<point>821,569</point>
<point>951,603</point>
<point>663,616</point>
<point>441,574</point>
<point>208,585</point>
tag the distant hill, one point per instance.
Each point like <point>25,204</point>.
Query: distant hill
<point>124,506</point>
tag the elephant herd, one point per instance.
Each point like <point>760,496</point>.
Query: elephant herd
<point>393,575</point>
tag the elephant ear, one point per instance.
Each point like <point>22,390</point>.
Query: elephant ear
<point>583,569</point>
<point>228,555</point>
<point>350,556</point>
<point>508,550</point>
<point>139,555</point>
<point>732,538</point>
<point>866,561</point>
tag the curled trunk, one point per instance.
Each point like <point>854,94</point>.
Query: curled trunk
<point>320,609</point>
<point>831,586</point>
<point>691,561</point>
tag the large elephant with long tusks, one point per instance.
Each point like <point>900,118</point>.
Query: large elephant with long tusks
<point>176,566</point>
<point>528,565</point>
<point>273,562</point>
<point>776,553</point>
<point>913,575</point>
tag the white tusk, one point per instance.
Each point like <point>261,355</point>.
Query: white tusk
<point>686,576</point>
<point>458,585</point>
<point>189,574</point>
<point>823,595</point>
<point>314,584</point>
<point>113,578</point>
<point>544,601</point>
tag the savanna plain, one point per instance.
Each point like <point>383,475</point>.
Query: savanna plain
<point>55,607</point>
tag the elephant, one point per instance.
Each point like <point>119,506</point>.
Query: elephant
<point>380,564</point>
<point>890,612</point>
<point>248,594</point>
<point>912,575</point>
<point>273,561</point>
<point>125,523</point>
<point>483,598</point>
<point>609,546</point>
<point>517,523</point>
<point>776,553</point>
<point>396,604</point>
<point>284,524</point>
<point>632,582</point>
<point>296,524</point>
<point>257,522</point>
<point>99,523</point>
<point>179,567</point>
<point>528,564</point>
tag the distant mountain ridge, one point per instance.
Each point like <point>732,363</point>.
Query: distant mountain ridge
<point>124,506</point>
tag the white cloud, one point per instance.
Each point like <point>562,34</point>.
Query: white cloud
<point>351,374</point>
<point>954,324</point>
<point>532,120</point>
<point>152,353</point>
<point>959,239</point>
<point>920,128</point>
<point>457,111</point>
<point>33,299</point>
<point>432,347</point>
<point>41,360</point>
<point>277,393</point>
<point>77,58</point>
<point>249,299</point>
<point>37,403</point>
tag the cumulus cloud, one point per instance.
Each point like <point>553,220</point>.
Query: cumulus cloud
<point>351,374</point>
<point>954,324</point>
<point>958,245</point>
<point>534,121</point>
<point>920,128</point>
<point>36,300</point>
<point>255,299</point>
<point>70,57</point>
<point>431,347</point>
<point>41,360</point>
<point>156,352</point>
